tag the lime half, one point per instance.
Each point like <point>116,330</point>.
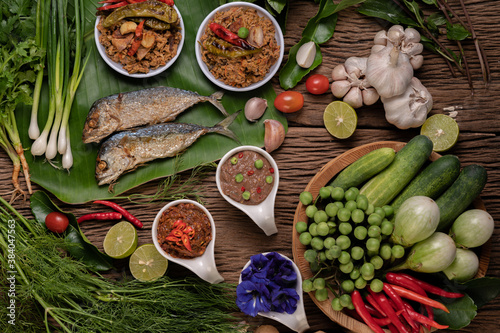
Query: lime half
<point>121,240</point>
<point>147,264</point>
<point>340,119</point>
<point>442,130</point>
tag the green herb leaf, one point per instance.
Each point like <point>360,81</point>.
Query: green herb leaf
<point>386,10</point>
<point>483,290</point>
<point>462,311</point>
<point>77,244</point>
<point>456,32</point>
<point>277,5</point>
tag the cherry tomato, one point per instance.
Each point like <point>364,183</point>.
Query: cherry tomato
<point>289,101</point>
<point>56,222</point>
<point>317,84</point>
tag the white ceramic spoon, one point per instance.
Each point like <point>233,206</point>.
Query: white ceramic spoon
<point>263,213</point>
<point>204,265</point>
<point>296,321</point>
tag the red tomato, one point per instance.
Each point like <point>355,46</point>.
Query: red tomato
<point>56,222</point>
<point>317,84</point>
<point>289,101</point>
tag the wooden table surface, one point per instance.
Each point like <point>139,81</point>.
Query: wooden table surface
<point>308,146</point>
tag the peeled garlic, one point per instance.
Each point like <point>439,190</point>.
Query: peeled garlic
<point>256,36</point>
<point>274,134</point>
<point>306,54</point>
<point>255,108</point>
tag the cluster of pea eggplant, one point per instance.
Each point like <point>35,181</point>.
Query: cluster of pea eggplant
<point>388,73</point>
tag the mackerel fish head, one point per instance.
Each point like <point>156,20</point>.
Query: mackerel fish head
<point>112,162</point>
<point>101,120</point>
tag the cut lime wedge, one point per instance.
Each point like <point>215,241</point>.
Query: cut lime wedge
<point>442,130</point>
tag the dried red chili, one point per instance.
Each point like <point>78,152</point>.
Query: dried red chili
<point>229,36</point>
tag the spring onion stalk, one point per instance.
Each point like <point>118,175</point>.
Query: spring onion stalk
<point>67,158</point>
<point>41,41</point>
<point>74,81</point>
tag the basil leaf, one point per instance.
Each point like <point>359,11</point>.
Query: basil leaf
<point>77,244</point>
<point>462,311</point>
<point>483,290</point>
<point>456,32</point>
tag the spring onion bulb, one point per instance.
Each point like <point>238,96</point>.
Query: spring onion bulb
<point>67,157</point>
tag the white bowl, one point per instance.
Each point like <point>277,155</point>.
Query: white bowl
<point>296,321</point>
<point>279,39</point>
<point>119,67</point>
<point>204,265</point>
<point>263,213</point>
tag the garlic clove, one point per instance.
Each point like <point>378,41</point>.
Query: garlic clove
<point>354,98</point>
<point>380,38</point>
<point>306,54</point>
<point>377,48</point>
<point>256,36</point>
<point>417,61</point>
<point>396,34</point>
<point>255,108</point>
<point>274,134</point>
<point>355,66</point>
<point>339,73</point>
<point>412,35</point>
<point>370,96</point>
<point>412,49</point>
<point>340,88</point>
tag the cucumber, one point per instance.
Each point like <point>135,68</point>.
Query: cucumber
<point>381,189</point>
<point>460,194</point>
<point>434,179</point>
<point>364,168</point>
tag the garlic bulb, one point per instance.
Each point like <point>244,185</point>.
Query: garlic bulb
<point>410,109</point>
<point>306,54</point>
<point>350,84</point>
<point>405,40</point>
<point>389,71</point>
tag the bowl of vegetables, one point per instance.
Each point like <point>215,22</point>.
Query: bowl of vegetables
<point>138,47</point>
<point>344,250</point>
<point>239,46</point>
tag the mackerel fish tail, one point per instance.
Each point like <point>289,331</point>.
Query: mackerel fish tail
<point>215,100</point>
<point>222,127</point>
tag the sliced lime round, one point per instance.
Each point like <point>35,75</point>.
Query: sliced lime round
<point>120,240</point>
<point>340,119</point>
<point>147,264</point>
<point>442,130</point>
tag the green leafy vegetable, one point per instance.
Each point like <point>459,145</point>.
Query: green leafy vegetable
<point>483,290</point>
<point>462,311</point>
<point>77,244</point>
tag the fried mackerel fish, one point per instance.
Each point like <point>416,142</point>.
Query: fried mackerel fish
<point>125,151</point>
<point>124,111</point>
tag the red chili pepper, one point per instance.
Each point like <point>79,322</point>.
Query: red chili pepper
<point>240,155</point>
<point>411,295</point>
<point>432,288</point>
<point>110,1</point>
<point>177,223</point>
<point>137,39</point>
<point>392,328</point>
<point>243,189</point>
<point>189,231</point>
<point>271,170</point>
<point>403,281</point>
<point>126,214</point>
<point>258,190</point>
<point>399,305</point>
<point>229,36</point>
<point>168,2</point>
<point>172,239</point>
<point>186,242</point>
<point>176,233</point>
<point>423,319</point>
<point>375,305</point>
<point>100,216</point>
<point>116,5</point>
<point>389,311</point>
<point>250,172</point>
<point>359,305</point>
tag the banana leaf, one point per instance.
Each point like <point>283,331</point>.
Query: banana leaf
<point>79,184</point>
